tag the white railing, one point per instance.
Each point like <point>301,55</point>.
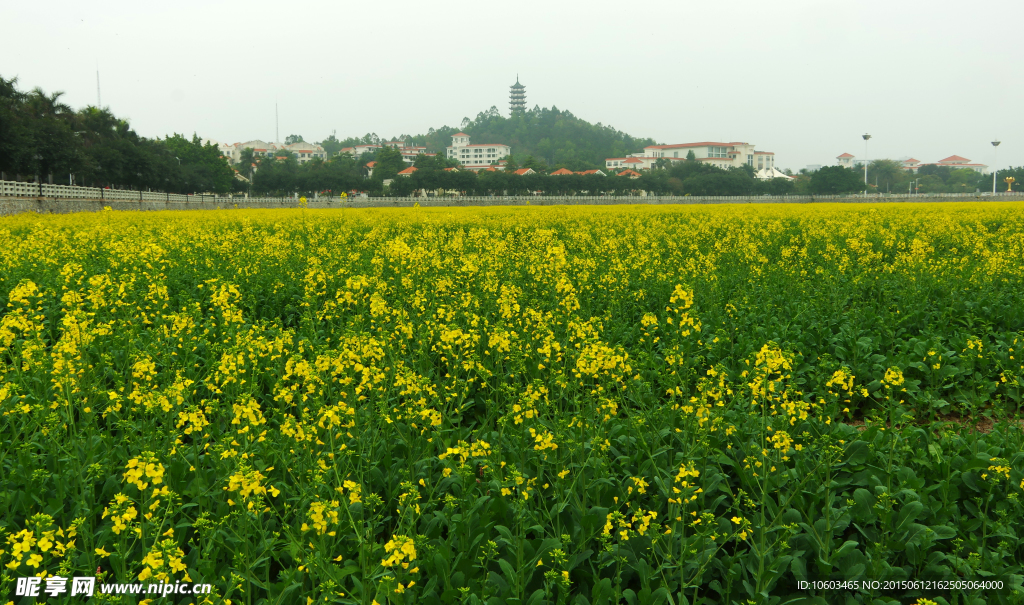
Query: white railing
<point>74,192</point>
<point>45,192</point>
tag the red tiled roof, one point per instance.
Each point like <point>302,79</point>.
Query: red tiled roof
<point>451,169</point>
<point>409,170</point>
<point>633,161</point>
<point>371,164</point>
<point>629,173</point>
<point>912,161</point>
<point>523,171</point>
<point>460,134</point>
<point>954,158</point>
<point>845,155</point>
<point>561,171</point>
<point>948,165</point>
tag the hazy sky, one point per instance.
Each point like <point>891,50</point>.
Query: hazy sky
<point>802,78</point>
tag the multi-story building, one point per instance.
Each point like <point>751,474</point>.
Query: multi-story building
<point>913,164</point>
<point>305,152</point>
<point>722,155</point>
<point>259,148</point>
<point>409,152</point>
<point>953,161</point>
<point>476,157</point>
<point>358,150</point>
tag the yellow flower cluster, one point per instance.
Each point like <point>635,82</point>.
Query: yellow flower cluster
<point>249,482</point>
<point>163,560</point>
<point>121,511</point>
<point>40,539</point>
<point>401,550</point>
<point>146,466</point>
<point>464,451</point>
<point>322,515</point>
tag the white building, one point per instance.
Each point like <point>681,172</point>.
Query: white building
<point>722,155</point>
<point>913,164</point>
<point>305,152</point>
<point>359,150</point>
<point>259,148</point>
<point>953,161</point>
<point>476,157</point>
<point>409,152</point>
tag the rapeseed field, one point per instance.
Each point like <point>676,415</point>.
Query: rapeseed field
<point>515,405</point>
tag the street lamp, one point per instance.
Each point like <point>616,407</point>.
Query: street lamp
<point>995,167</point>
<point>866,137</point>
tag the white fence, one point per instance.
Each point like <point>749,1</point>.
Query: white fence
<point>69,192</point>
<point>148,200</point>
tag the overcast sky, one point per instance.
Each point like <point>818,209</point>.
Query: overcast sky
<point>802,78</point>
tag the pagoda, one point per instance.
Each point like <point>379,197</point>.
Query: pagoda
<point>517,97</point>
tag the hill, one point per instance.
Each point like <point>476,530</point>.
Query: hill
<point>550,136</point>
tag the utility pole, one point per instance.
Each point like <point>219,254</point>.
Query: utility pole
<point>277,131</point>
<point>995,167</point>
<point>99,102</point>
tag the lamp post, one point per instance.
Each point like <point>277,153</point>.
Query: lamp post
<point>866,137</point>
<point>995,167</point>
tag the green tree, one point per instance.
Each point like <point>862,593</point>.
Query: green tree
<point>836,180</point>
<point>16,147</point>
<point>389,164</point>
<point>203,167</point>
<point>776,186</point>
<point>331,145</point>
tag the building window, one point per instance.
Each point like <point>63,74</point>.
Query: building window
<point>675,154</point>
<point>717,152</point>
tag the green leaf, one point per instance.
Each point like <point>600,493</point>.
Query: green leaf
<point>509,571</point>
<point>858,452</point>
<point>943,532</point>
<point>908,513</point>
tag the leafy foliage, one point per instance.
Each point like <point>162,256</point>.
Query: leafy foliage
<point>39,135</point>
<point>836,180</point>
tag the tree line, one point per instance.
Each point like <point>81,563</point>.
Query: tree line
<point>43,138</point>
<point>282,175</point>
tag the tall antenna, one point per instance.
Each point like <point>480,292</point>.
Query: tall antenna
<point>277,132</point>
<point>99,103</point>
